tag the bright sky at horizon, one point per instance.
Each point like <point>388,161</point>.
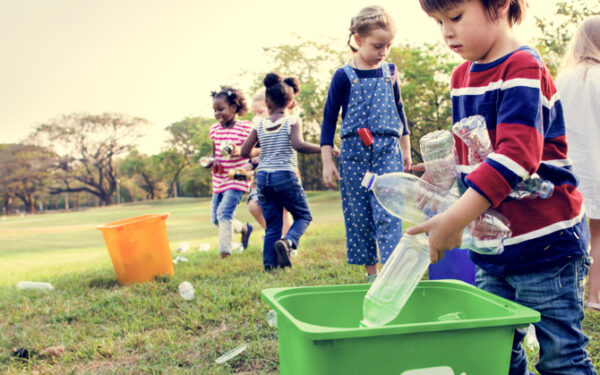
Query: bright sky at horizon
<point>160,60</point>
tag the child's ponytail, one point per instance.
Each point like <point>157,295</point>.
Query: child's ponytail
<point>233,97</point>
<point>281,91</point>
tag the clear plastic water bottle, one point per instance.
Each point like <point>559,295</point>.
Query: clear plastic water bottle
<point>186,290</point>
<point>437,150</point>
<point>412,199</point>
<point>473,132</point>
<point>407,196</point>
<point>34,285</point>
<point>272,318</point>
<point>396,281</point>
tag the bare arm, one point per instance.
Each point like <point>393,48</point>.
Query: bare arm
<point>298,142</point>
<point>446,229</point>
<point>330,171</point>
<point>406,155</point>
<point>249,144</point>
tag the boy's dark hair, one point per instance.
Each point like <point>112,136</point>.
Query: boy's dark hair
<point>233,97</point>
<point>281,91</point>
<point>516,10</point>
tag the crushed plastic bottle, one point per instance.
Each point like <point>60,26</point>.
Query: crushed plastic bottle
<point>34,285</point>
<point>231,354</point>
<point>227,148</point>
<point>437,151</point>
<point>237,247</point>
<point>183,247</point>
<point>533,187</point>
<point>412,199</point>
<point>531,339</point>
<point>272,318</point>
<point>186,290</point>
<point>396,281</point>
<point>205,246</point>
<point>473,132</point>
<point>207,161</point>
<point>180,259</point>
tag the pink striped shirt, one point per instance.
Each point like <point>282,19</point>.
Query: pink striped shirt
<point>237,134</point>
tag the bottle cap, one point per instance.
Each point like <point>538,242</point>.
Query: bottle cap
<point>368,180</point>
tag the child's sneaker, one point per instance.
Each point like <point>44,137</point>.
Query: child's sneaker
<point>282,248</point>
<point>246,237</point>
<point>371,278</point>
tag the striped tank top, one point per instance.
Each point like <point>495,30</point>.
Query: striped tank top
<point>276,151</point>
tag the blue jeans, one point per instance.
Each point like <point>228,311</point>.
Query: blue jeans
<point>278,190</point>
<point>557,294</point>
<point>223,205</point>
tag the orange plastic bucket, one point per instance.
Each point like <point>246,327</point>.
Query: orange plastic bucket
<point>138,247</point>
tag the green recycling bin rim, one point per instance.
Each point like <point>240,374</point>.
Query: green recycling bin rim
<point>519,315</point>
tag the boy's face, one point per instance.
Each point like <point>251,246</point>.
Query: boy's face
<point>470,32</point>
<point>224,112</point>
<point>259,108</point>
<point>375,46</point>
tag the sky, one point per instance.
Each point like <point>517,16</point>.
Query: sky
<point>160,60</point>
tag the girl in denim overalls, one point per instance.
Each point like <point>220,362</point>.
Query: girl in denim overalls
<point>374,137</point>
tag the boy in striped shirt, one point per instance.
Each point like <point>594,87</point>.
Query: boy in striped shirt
<point>544,263</point>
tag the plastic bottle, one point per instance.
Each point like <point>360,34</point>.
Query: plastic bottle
<point>186,290</point>
<point>473,132</point>
<point>407,196</point>
<point>240,174</point>
<point>396,281</point>
<point>414,200</point>
<point>227,148</point>
<point>183,247</point>
<point>533,187</point>
<point>272,318</point>
<point>437,150</point>
<point>207,161</point>
<point>34,285</point>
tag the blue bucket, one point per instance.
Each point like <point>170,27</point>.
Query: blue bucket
<point>455,265</point>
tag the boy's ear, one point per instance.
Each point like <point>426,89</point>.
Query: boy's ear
<point>357,39</point>
<point>503,9</point>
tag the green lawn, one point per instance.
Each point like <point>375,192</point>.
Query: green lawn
<point>148,328</point>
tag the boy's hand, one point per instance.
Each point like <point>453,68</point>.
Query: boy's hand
<point>418,168</point>
<point>444,234</point>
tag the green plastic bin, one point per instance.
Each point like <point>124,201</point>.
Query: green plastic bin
<point>447,327</point>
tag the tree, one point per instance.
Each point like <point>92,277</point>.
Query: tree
<point>145,169</point>
<point>557,34</point>
<point>25,173</point>
<point>424,73</point>
<point>86,147</point>
<point>189,140</point>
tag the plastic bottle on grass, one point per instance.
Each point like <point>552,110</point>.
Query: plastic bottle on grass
<point>396,281</point>
<point>186,290</point>
<point>34,285</point>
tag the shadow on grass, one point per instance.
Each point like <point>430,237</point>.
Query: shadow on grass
<point>103,283</point>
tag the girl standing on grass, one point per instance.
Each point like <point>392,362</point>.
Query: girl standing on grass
<point>374,136</point>
<point>280,136</point>
<point>227,136</point>
<point>579,88</point>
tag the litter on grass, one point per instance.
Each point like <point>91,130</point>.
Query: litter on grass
<point>231,354</point>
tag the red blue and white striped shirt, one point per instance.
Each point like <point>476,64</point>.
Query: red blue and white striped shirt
<point>236,134</point>
<point>524,117</point>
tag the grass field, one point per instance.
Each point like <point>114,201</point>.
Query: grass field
<point>149,328</point>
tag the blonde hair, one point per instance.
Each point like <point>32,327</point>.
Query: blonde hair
<point>259,96</point>
<point>584,47</point>
<point>370,18</point>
